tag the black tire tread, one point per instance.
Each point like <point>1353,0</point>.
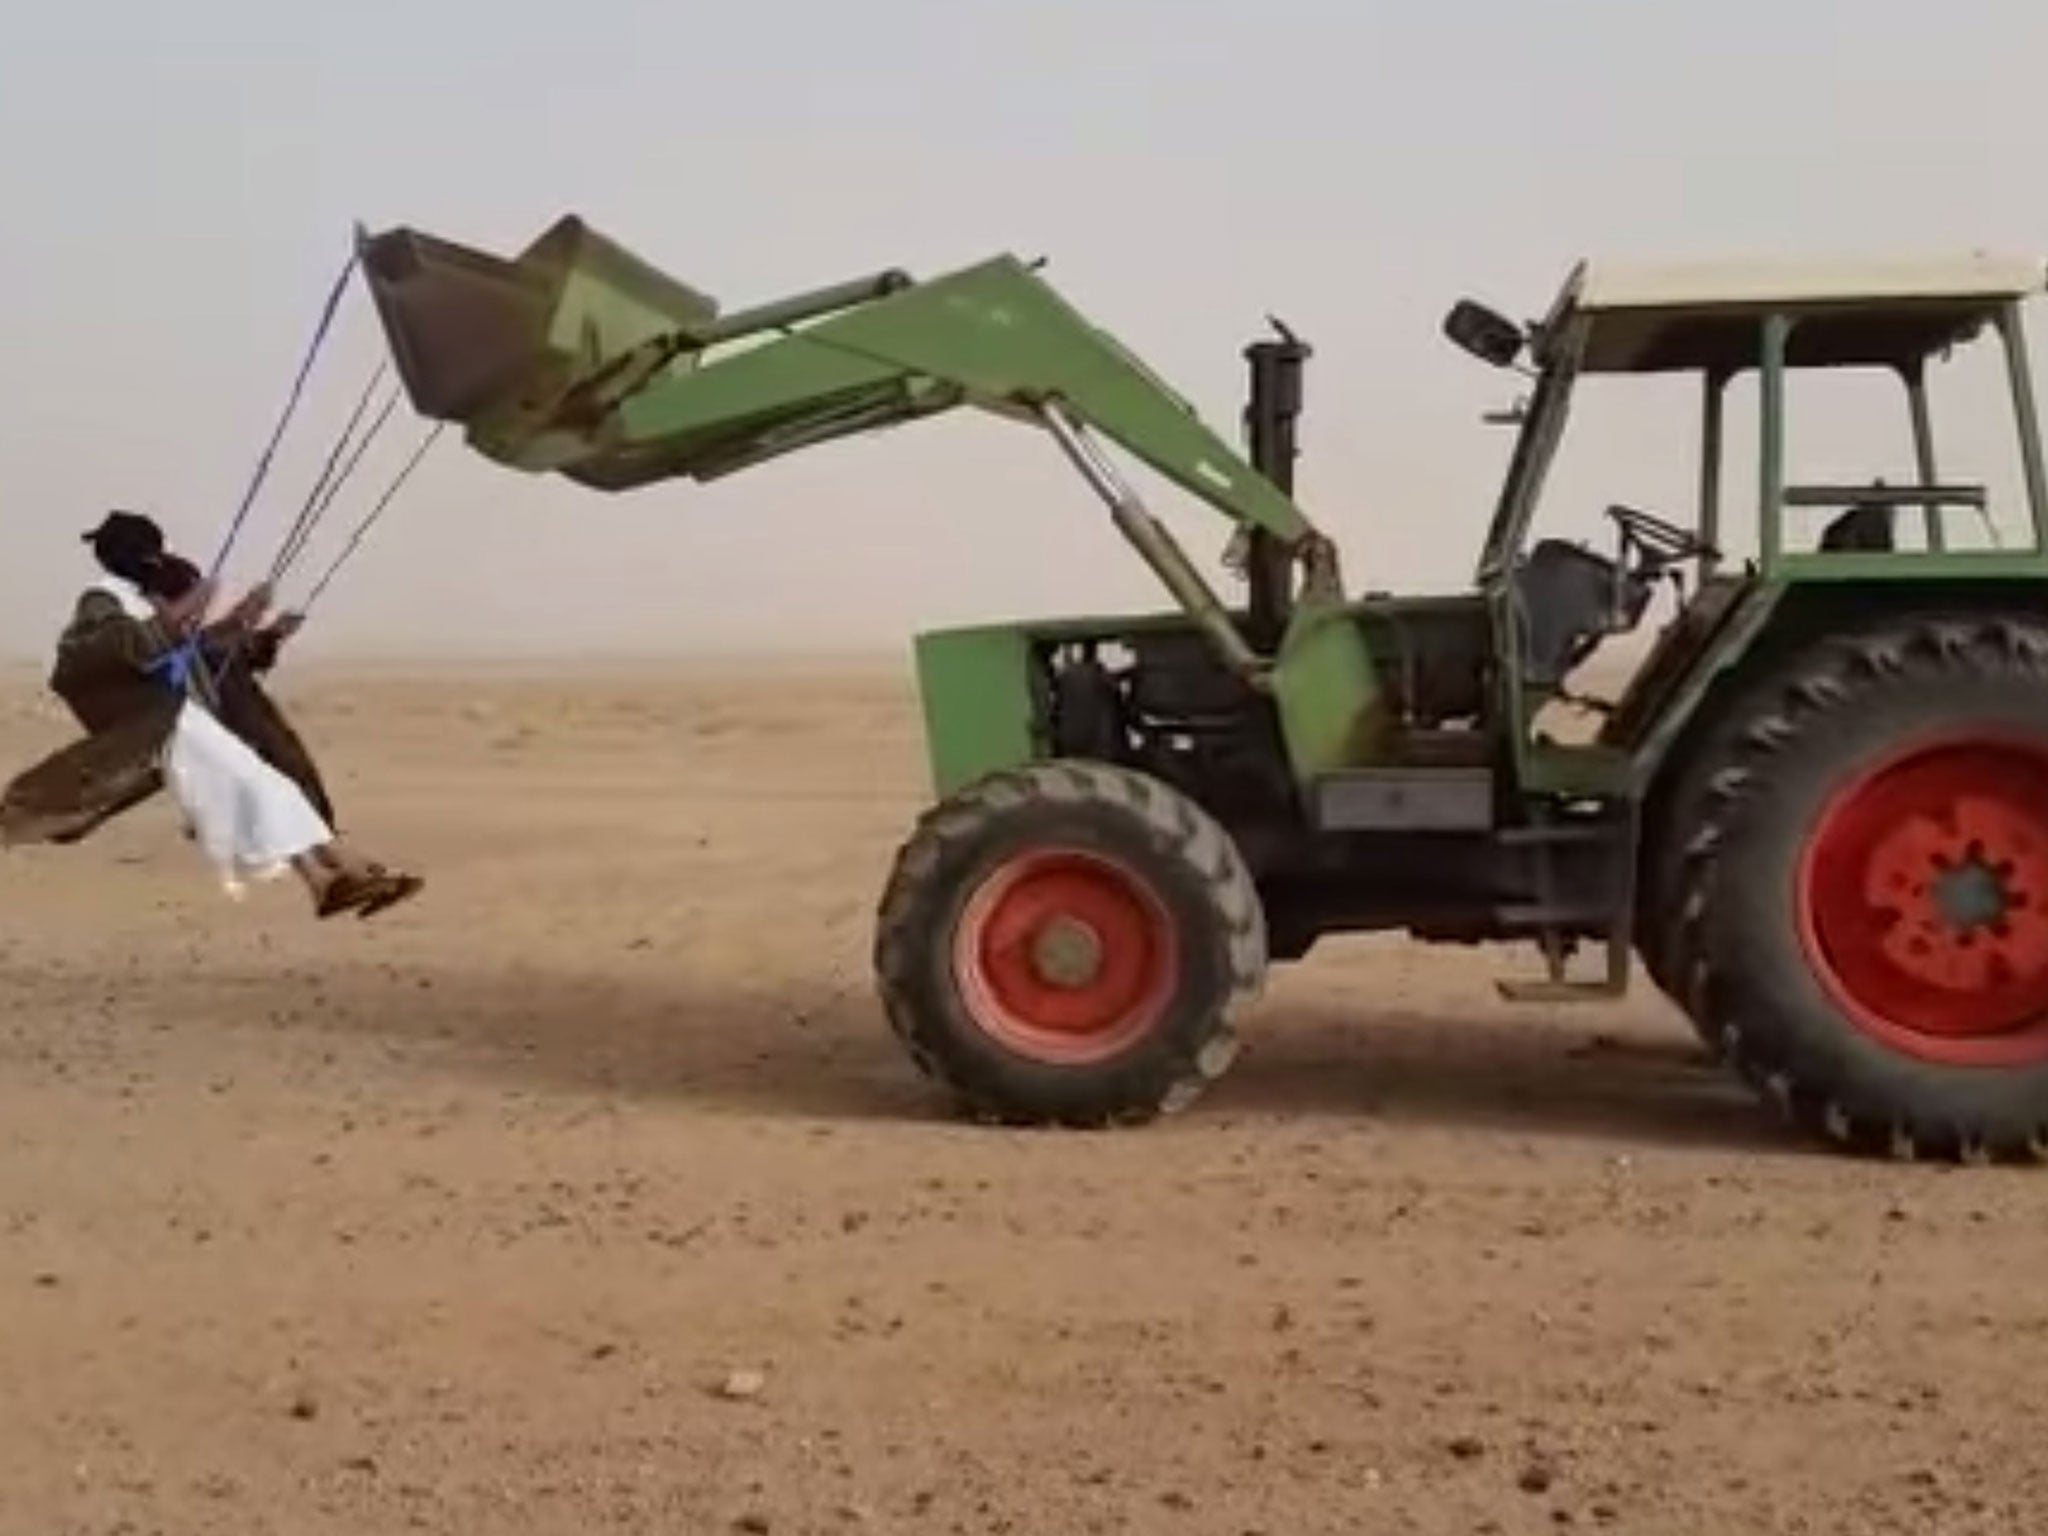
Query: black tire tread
<point>1178,829</point>
<point>1829,680</point>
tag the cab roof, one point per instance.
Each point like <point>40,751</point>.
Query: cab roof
<point>1704,315</point>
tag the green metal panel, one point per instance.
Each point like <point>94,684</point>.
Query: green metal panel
<point>1913,565</point>
<point>1550,768</point>
<point>975,689</point>
<point>607,300</point>
<point>1327,693</point>
<point>1734,640</point>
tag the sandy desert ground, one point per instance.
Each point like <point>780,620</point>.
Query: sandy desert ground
<point>463,1220</point>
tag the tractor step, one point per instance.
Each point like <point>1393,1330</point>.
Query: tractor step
<point>1557,987</point>
<point>1556,921</point>
<point>1550,990</point>
<point>1551,834</point>
<point>1532,917</point>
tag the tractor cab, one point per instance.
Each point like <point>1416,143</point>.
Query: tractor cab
<point>1928,333</point>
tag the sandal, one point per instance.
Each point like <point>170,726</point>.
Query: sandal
<point>344,892</point>
<point>389,889</point>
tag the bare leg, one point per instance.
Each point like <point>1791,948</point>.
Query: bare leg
<point>316,872</point>
<point>333,879</point>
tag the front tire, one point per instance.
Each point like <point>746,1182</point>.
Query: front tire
<point>1070,943</point>
<point>1864,917</point>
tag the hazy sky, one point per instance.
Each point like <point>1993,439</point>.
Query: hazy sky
<point>180,181</point>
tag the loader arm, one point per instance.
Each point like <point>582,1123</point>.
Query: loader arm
<point>577,358</point>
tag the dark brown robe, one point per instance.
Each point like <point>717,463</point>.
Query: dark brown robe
<point>102,673</point>
<point>248,710</point>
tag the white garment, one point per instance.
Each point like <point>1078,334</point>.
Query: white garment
<point>248,819</point>
<point>128,595</point>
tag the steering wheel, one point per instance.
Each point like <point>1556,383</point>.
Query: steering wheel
<point>1666,543</point>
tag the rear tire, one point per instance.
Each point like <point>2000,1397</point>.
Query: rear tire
<point>1862,920</point>
<point>1674,834</point>
<point>1070,943</point>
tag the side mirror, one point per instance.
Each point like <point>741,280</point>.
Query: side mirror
<point>1488,336</point>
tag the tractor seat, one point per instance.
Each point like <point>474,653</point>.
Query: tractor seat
<point>1865,527</point>
<point>1567,600</point>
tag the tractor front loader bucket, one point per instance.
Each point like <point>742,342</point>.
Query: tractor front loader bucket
<point>471,332</point>
<point>531,354</point>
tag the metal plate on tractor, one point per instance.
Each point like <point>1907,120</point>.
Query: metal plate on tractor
<point>1404,800</point>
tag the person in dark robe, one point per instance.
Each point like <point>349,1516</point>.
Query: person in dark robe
<point>237,658</point>
<point>126,668</point>
<point>109,673</point>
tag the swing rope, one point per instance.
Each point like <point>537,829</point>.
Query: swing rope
<point>310,509</point>
<point>334,474</point>
<point>361,531</point>
<point>363,528</point>
<point>291,406</point>
<point>302,530</point>
<point>178,663</point>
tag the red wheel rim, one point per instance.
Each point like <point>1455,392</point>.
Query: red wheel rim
<point>1065,956</point>
<point>1923,901</point>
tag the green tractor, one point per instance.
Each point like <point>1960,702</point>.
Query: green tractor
<point>1817,811</point>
